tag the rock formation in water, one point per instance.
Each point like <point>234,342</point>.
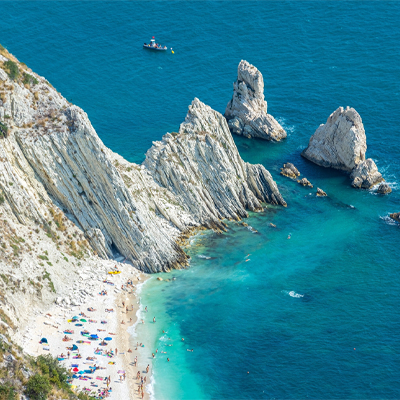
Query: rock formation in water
<point>341,143</point>
<point>321,193</point>
<point>395,216</point>
<point>384,188</point>
<point>247,111</point>
<point>290,171</point>
<point>305,182</point>
<point>365,175</point>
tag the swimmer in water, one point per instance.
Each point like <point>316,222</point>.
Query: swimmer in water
<point>289,236</point>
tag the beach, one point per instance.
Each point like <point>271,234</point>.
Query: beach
<point>59,322</point>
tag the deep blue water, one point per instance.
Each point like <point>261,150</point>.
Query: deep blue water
<point>292,315</point>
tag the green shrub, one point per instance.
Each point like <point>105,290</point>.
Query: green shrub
<point>29,79</point>
<point>1,48</point>
<point>2,199</point>
<point>11,69</point>
<point>38,387</point>
<point>7,392</point>
<point>51,367</point>
<point>3,130</point>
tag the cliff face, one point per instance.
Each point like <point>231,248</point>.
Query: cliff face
<point>52,159</point>
<point>247,110</point>
<point>341,143</point>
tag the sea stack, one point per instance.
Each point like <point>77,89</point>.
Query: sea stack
<point>246,112</point>
<point>341,143</point>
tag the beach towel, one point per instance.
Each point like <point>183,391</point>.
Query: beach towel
<point>46,348</point>
<point>74,365</point>
<point>99,378</point>
<point>111,362</point>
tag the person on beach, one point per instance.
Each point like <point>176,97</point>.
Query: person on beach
<point>147,368</point>
<point>154,319</point>
<point>153,355</point>
<point>68,355</point>
<point>144,380</point>
<point>168,359</point>
<point>145,309</point>
<point>116,351</point>
<point>123,304</point>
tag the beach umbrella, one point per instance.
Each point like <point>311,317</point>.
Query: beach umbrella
<point>43,340</point>
<point>74,376</point>
<point>78,325</point>
<point>83,320</point>
<point>74,347</point>
<point>75,369</point>
<point>75,317</point>
<point>94,335</point>
<point>108,338</point>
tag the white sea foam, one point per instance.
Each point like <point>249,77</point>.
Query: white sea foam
<point>150,387</point>
<point>132,329</point>
<point>388,220</point>
<point>288,128</point>
<point>205,257</point>
<point>292,293</point>
<point>251,229</point>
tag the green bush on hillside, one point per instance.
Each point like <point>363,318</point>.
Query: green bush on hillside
<point>3,130</point>
<point>38,387</point>
<point>12,69</point>
<point>29,79</point>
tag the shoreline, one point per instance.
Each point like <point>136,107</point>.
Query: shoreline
<point>53,322</point>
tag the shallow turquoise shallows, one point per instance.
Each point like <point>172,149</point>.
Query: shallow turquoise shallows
<point>314,316</point>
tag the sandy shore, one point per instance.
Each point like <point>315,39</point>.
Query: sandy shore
<point>53,323</point>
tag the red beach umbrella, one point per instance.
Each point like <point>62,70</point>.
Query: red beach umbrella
<point>75,369</point>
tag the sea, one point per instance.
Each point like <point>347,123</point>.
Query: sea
<point>315,316</point>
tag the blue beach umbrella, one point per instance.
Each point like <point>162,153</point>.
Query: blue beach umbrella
<point>107,338</point>
<point>74,347</point>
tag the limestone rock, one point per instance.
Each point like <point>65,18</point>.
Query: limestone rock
<point>321,193</point>
<point>365,175</point>
<point>305,182</point>
<point>247,111</point>
<point>339,143</point>
<point>384,188</point>
<point>395,216</point>
<point>290,171</point>
<point>53,165</point>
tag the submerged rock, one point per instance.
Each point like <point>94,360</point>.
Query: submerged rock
<point>321,193</point>
<point>384,188</point>
<point>305,182</point>
<point>341,143</point>
<point>247,111</point>
<point>365,175</point>
<point>290,171</point>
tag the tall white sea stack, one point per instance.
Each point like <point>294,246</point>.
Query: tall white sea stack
<point>246,112</point>
<point>341,143</point>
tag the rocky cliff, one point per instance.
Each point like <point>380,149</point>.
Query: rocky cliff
<point>66,199</point>
<point>341,143</point>
<point>247,110</point>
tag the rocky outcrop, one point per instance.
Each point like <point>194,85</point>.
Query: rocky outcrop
<point>290,171</point>
<point>365,175</point>
<point>305,182</point>
<point>52,159</point>
<point>395,216</point>
<point>321,193</point>
<point>201,166</point>
<point>384,188</point>
<point>341,143</point>
<point>247,111</point>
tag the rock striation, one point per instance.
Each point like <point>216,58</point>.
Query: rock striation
<point>247,110</point>
<point>341,143</point>
<point>52,159</point>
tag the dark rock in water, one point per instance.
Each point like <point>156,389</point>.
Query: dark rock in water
<point>290,171</point>
<point>305,182</point>
<point>321,193</point>
<point>395,216</point>
<point>384,188</point>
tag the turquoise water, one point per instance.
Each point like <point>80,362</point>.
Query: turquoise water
<point>292,315</point>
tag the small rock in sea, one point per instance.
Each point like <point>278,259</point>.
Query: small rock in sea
<point>384,188</point>
<point>365,175</point>
<point>321,193</point>
<point>159,278</point>
<point>395,216</point>
<point>273,225</point>
<point>305,182</point>
<point>290,171</point>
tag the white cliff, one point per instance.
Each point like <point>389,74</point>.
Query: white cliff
<point>246,112</point>
<point>68,201</point>
<point>341,143</point>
